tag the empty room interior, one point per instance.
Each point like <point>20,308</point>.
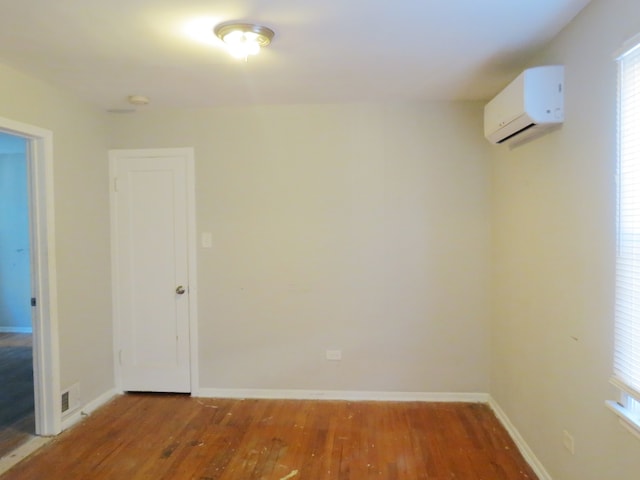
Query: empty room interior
<point>348,232</point>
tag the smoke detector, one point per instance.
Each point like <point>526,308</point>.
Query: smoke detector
<point>138,100</point>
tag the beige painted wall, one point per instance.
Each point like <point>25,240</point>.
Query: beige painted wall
<point>554,254</point>
<point>82,226</point>
<point>365,228</point>
<point>355,227</point>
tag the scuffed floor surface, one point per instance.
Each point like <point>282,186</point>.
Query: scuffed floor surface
<point>153,436</point>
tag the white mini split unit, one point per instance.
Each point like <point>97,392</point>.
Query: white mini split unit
<point>533,102</point>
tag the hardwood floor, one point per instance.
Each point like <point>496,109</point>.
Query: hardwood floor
<point>17,423</point>
<point>152,436</point>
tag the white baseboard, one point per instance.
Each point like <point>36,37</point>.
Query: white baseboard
<point>16,330</point>
<point>340,395</point>
<point>88,409</point>
<point>522,445</point>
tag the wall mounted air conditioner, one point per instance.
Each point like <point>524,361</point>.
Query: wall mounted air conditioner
<point>534,101</point>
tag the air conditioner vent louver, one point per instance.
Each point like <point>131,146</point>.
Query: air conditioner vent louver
<point>531,125</point>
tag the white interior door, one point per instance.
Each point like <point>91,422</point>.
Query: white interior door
<point>151,249</point>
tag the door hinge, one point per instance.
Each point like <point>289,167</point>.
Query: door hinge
<point>120,357</point>
<point>33,301</point>
<point>115,184</point>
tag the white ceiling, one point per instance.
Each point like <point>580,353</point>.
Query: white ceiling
<point>324,50</point>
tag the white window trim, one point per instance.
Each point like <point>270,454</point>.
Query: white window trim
<point>627,420</point>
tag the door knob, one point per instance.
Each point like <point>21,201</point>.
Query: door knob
<point>180,290</point>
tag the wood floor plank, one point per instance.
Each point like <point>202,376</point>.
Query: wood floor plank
<point>152,436</point>
<point>17,418</point>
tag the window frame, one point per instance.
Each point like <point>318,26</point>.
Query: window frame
<point>627,407</point>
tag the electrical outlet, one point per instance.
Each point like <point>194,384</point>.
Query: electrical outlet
<point>334,354</point>
<point>567,441</point>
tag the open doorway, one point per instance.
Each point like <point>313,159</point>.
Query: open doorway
<point>42,299</point>
<point>17,410</point>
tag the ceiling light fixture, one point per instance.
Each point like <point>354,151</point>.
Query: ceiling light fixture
<point>243,39</point>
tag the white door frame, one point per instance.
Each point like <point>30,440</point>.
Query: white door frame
<point>44,316</point>
<point>187,153</point>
